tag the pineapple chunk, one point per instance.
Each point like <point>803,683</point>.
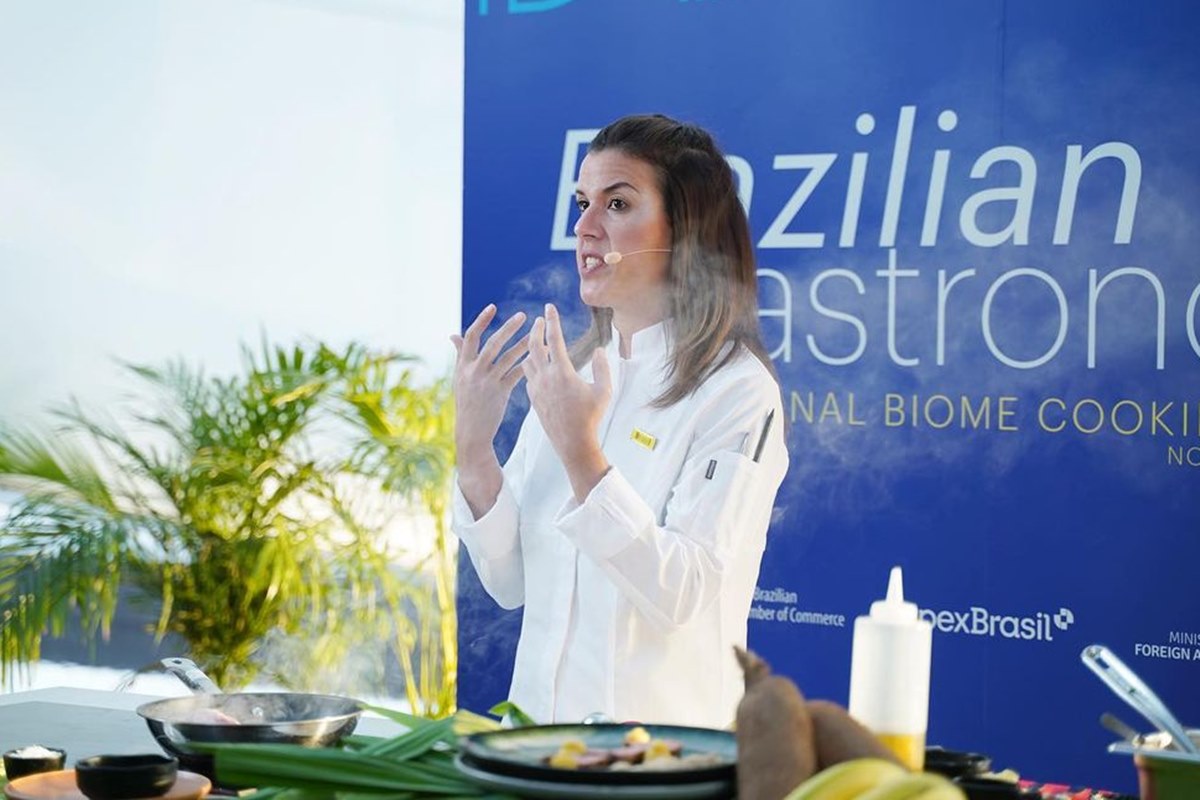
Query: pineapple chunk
<point>658,749</point>
<point>575,746</point>
<point>638,735</point>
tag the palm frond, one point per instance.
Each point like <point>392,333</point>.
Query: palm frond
<point>48,464</point>
<point>231,502</point>
<point>57,557</point>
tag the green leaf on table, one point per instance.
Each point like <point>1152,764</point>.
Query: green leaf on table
<point>513,711</point>
<point>330,769</point>
<point>468,722</point>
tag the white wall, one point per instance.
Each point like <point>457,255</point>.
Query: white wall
<point>177,176</point>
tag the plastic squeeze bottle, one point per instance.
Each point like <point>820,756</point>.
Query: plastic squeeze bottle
<point>889,673</point>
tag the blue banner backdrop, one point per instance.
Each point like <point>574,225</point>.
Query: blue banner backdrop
<point>979,282</point>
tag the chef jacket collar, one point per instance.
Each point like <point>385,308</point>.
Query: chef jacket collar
<point>648,343</point>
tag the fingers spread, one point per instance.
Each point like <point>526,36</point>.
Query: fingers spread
<point>513,354</point>
<point>498,339</point>
<point>538,352</point>
<point>478,326</point>
<point>554,336</point>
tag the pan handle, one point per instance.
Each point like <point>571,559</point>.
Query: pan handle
<point>192,676</point>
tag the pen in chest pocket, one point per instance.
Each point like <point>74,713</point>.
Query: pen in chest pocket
<point>758,448</point>
<point>762,439</point>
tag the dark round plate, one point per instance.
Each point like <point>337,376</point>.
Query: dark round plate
<point>521,753</point>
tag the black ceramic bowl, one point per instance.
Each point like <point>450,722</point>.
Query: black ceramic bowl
<point>18,766</point>
<point>125,777</point>
<point>955,763</point>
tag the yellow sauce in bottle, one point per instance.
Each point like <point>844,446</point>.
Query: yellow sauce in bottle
<point>908,747</point>
<point>889,673</point>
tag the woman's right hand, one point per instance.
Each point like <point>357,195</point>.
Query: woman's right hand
<point>483,382</point>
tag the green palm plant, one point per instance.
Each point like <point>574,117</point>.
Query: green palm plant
<point>247,509</point>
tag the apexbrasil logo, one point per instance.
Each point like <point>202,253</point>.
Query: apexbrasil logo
<point>978,621</point>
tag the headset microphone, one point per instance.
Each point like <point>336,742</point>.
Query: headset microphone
<point>615,257</point>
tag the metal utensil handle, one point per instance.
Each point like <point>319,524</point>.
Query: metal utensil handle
<point>1130,688</point>
<point>1119,727</point>
<point>192,676</point>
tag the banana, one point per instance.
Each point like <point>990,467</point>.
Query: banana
<point>847,780</point>
<point>914,786</point>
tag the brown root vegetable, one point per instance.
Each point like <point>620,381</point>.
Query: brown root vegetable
<point>840,737</point>
<point>774,733</point>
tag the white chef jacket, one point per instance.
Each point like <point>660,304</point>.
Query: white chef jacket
<point>634,598</point>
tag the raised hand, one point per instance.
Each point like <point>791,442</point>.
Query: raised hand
<point>568,407</point>
<point>484,378</point>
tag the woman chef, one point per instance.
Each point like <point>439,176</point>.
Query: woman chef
<point>631,516</point>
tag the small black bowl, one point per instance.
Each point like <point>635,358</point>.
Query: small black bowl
<point>955,763</point>
<point>125,777</point>
<point>977,788</point>
<point>18,766</point>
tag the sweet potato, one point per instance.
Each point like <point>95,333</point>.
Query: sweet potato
<point>840,737</point>
<point>774,733</point>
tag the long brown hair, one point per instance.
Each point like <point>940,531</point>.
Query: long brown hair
<point>713,294</point>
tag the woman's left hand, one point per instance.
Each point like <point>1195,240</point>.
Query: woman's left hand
<point>568,407</point>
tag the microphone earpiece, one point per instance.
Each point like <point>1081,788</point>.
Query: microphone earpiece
<point>615,257</point>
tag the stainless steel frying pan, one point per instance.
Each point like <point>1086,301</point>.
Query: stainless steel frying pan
<point>311,720</point>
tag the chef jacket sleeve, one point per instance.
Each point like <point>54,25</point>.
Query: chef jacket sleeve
<point>493,541</point>
<point>715,522</point>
